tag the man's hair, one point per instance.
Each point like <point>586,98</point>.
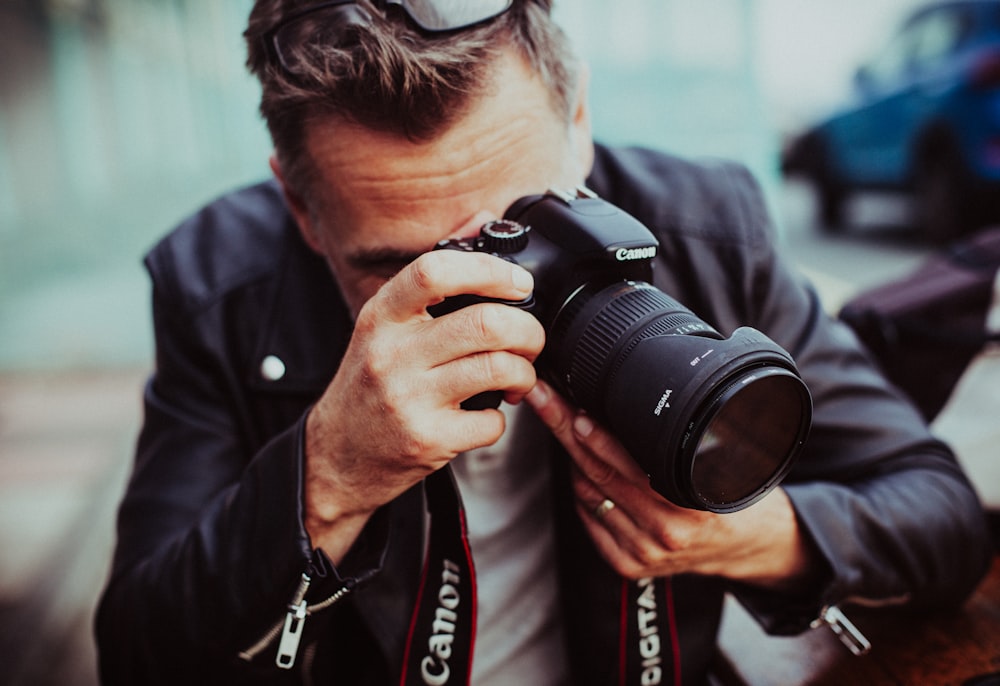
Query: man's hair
<point>389,76</point>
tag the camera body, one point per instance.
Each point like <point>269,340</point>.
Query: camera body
<point>716,422</point>
<point>565,241</point>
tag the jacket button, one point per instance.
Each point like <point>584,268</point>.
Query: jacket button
<point>272,368</point>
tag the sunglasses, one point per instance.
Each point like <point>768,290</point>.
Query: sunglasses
<point>326,22</point>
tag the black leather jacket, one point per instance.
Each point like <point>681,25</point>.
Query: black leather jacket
<point>211,545</point>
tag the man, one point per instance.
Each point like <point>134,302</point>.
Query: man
<point>291,518</point>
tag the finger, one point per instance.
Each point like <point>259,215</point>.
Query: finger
<point>630,546</point>
<point>474,374</point>
<point>554,412</point>
<point>604,452</point>
<point>582,436</point>
<point>439,274</point>
<point>608,542</point>
<point>470,430</point>
<point>572,428</point>
<point>646,523</point>
<point>449,432</point>
<point>583,439</point>
<point>613,473</point>
<point>485,327</point>
<point>623,519</point>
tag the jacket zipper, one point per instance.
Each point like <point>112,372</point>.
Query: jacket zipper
<point>290,628</point>
<point>833,617</point>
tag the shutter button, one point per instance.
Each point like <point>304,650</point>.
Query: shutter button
<point>272,368</point>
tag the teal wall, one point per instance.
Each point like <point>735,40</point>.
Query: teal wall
<point>119,117</point>
<point>676,74</point>
<point>116,118</point>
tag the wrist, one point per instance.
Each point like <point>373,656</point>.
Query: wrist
<point>333,516</point>
<point>779,555</point>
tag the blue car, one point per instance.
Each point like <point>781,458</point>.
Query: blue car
<point>926,119</point>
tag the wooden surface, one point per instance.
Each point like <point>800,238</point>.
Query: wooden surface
<point>940,650</point>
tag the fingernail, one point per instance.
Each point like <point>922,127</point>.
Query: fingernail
<point>538,396</point>
<point>522,279</point>
<point>583,425</point>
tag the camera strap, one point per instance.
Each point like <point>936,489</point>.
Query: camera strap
<point>443,624</point>
<point>442,628</point>
<point>649,650</point>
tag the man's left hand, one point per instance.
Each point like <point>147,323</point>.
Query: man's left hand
<point>640,533</point>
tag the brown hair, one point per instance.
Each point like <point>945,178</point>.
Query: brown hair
<point>389,76</point>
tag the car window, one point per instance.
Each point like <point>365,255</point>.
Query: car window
<point>890,63</point>
<point>938,34</point>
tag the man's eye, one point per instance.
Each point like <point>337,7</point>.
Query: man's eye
<point>387,270</point>
<point>383,264</point>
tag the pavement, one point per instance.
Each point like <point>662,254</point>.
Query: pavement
<point>65,448</point>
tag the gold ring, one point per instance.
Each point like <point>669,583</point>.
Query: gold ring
<point>605,507</point>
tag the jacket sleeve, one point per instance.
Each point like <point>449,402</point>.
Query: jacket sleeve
<point>211,546</point>
<point>882,500</point>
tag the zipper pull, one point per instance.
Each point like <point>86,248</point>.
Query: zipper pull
<point>845,630</point>
<point>295,620</point>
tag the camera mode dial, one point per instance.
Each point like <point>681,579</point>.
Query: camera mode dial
<point>503,237</point>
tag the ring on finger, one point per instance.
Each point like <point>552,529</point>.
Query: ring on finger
<point>603,508</point>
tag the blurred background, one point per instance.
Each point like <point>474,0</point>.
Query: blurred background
<point>120,117</point>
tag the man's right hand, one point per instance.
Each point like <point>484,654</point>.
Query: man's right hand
<point>392,414</point>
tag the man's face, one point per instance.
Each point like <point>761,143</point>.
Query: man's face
<point>383,200</point>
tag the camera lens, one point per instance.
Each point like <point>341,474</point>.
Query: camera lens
<point>743,449</point>
<point>716,422</point>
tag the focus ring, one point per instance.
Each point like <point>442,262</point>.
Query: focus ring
<point>619,307</point>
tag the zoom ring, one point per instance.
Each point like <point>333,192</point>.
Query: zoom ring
<point>622,310</point>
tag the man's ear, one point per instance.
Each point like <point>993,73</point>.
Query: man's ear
<point>581,135</point>
<point>297,205</point>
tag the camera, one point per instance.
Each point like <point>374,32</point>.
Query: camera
<point>715,422</point>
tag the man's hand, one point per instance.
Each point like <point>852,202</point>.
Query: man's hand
<point>643,534</point>
<point>391,415</point>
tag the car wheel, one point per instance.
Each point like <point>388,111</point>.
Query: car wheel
<point>943,201</point>
<point>831,195</point>
<point>831,198</point>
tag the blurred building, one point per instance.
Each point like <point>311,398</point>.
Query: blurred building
<point>116,116</point>
<point>675,74</point>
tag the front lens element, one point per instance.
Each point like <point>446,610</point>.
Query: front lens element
<point>744,448</point>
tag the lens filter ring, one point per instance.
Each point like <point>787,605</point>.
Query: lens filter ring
<point>746,437</point>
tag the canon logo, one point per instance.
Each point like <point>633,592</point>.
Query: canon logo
<point>434,667</point>
<point>628,254</point>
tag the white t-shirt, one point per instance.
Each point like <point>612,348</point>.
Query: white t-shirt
<point>506,492</point>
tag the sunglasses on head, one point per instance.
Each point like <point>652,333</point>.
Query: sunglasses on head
<point>325,22</point>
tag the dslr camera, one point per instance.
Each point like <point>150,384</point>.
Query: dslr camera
<point>715,422</point>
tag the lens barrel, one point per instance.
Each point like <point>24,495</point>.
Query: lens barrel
<point>716,422</point>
